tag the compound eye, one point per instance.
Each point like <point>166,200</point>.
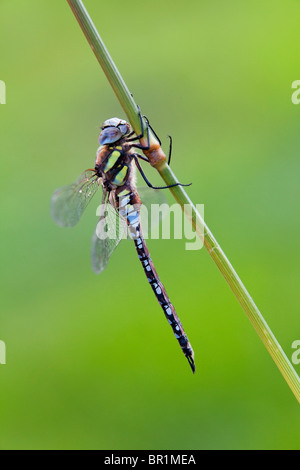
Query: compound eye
<point>113,122</point>
<point>109,135</point>
<point>123,128</point>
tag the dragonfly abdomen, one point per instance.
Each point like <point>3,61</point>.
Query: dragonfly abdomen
<point>129,207</point>
<point>163,299</point>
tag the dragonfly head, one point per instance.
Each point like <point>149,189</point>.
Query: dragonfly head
<point>113,130</point>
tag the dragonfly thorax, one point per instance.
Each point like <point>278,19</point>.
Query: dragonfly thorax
<point>113,130</point>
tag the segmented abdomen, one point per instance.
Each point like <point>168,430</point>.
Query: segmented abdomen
<point>129,204</point>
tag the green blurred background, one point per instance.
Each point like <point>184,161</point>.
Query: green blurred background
<point>91,362</point>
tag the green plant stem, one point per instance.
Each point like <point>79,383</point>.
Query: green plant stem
<point>106,62</point>
<point>210,243</point>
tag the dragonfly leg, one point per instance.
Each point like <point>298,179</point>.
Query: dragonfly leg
<point>137,137</point>
<point>140,146</point>
<point>129,135</point>
<point>149,126</point>
<point>170,150</point>
<point>147,147</point>
<point>148,182</point>
<point>142,157</point>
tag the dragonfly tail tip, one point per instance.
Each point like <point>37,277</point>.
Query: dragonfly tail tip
<point>191,363</point>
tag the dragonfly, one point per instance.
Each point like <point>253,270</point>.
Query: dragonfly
<point>115,168</point>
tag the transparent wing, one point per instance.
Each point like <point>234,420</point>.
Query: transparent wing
<point>69,202</point>
<point>154,208</point>
<point>151,196</point>
<point>110,230</point>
